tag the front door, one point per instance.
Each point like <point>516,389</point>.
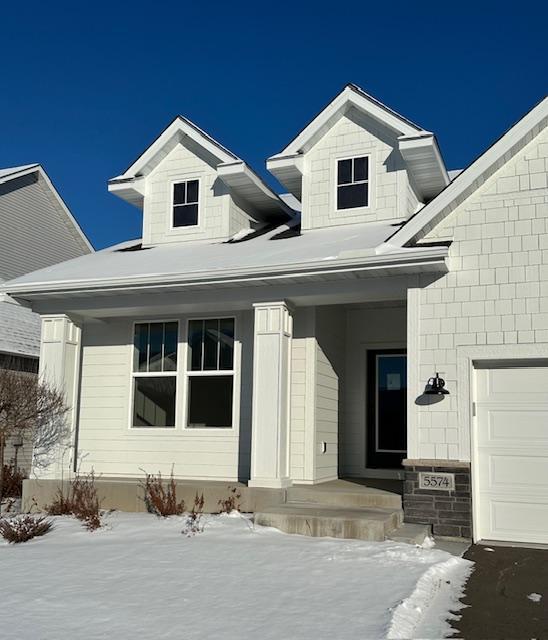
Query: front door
<point>386,408</point>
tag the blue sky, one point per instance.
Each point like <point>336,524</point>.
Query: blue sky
<point>86,87</point>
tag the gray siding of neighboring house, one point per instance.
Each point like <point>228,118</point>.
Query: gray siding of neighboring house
<point>33,232</point>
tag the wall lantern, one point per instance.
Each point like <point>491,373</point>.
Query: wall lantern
<point>436,386</point>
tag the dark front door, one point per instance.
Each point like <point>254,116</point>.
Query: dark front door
<point>386,408</point>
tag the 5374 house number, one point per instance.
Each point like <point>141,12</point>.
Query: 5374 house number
<point>437,481</point>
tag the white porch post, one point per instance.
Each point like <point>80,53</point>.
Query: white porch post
<point>59,367</point>
<point>271,393</point>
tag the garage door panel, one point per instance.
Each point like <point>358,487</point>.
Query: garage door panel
<point>517,473</point>
<point>511,459</point>
<point>518,521</point>
<point>524,384</point>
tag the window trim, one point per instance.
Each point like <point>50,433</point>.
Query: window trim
<point>369,182</point>
<point>172,184</point>
<point>234,372</point>
<point>153,374</point>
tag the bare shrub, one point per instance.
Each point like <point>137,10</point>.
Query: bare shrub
<point>232,502</point>
<point>12,481</point>
<point>31,410</point>
<point>193,523</point>
<point>159,499</point>
<point>81,501</point>
<point>24,527</point>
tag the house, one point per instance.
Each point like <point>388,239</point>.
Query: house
<point>38,231</point>
<point>287,341</point>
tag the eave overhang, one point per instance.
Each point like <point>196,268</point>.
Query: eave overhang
<point>372,264</point>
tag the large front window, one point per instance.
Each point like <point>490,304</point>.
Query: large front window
<point>154,374</point>
<point>353,183</point>
<point>210,373</point>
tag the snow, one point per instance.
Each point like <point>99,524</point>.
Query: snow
<point>535,597</point>
<point>270,250</point>
<point>139,577</point>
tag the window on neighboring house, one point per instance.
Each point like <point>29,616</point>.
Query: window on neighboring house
<point>353,183</point>
<point>185,203</point>
<point>154,374</point>
<point>210,372</point>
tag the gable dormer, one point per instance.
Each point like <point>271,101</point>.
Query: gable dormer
<point>191,188</point>
<point>359,161</point>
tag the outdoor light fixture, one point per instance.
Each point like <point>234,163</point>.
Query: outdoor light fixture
<point>436,386</point>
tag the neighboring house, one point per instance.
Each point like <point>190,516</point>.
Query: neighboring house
<point>36,230</point>
<point>241,339</point>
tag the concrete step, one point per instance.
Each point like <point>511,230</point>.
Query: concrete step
<point>343,494</point>
<point>310,519</point>
<point>410,533</point>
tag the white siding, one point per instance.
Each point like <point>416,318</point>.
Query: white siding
<point>355,135</point>
<point>375,327</point>
<point>106,442</point>
<point>495,294</point>
<point>330,353</point>
<point>219,216</point>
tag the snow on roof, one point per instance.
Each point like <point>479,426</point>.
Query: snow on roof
<point>283,246</point>
<point>19,330</point>
<point>4,173</point>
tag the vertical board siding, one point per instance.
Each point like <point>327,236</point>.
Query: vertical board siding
<point>496,291</point>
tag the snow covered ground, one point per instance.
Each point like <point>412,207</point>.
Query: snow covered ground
<point>138,577</point>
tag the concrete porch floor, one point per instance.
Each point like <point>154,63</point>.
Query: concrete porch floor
<point>344,508</point>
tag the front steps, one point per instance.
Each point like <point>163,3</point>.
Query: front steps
<point>312,519</point>
<point>342,509</point>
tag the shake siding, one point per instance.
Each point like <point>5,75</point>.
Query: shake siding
<point>182,164</point>
<point>496,292</point>
<point>353,135</point>
<point>107,444</point>
<point>379,327</point>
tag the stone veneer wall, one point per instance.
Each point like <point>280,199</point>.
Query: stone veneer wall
<point>449,512</point>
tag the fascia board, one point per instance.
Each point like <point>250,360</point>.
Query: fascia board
<point>180,127</point>
<point>406,257</point>
<point>346,98</point>
<point>466,179</point>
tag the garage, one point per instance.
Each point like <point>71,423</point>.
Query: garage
<point>510,466</point>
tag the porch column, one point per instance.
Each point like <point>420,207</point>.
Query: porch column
<point>60,368</point>
<point>271,388</point>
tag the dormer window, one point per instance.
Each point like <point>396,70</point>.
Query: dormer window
<point>185,203</point>
<point>353,183</point>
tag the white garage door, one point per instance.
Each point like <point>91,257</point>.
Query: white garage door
<point>511,460</point>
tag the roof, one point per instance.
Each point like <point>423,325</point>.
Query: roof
<point>418,147</point>
<point>232,170</point>
<point>10,171</point>
<point>468,180</point>
<point>19,330</point>
<point>278,250</point>
<point>13,173</point>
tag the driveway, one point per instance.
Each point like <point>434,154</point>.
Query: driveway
<point>503,592</point>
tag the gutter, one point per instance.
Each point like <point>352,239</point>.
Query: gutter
<point>430,256</point>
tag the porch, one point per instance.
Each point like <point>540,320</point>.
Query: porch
<point>344,508</point>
